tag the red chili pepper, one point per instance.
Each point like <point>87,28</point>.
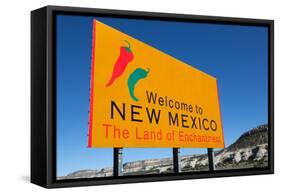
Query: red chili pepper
<point>125,56</point>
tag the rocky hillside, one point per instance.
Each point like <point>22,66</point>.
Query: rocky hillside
<point>250,150</point>
<point>256,136</point>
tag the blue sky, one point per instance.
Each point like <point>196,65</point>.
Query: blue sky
<point>236,55</point>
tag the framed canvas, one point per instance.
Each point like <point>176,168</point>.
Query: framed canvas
<point>125,96</point>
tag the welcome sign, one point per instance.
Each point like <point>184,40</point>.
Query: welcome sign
<point>142,97</point>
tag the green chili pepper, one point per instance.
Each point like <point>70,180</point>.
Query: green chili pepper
<point>133,79</point>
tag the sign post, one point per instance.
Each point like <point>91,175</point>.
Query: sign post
<point>211,157</point>
<point>118,162</point>
<point>176,160</point>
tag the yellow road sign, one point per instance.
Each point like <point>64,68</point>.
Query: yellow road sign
<point>143,97</point>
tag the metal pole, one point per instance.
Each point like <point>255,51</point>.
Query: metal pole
<point>176,160</point>
<point>211,157</point>
<point>117,161</point>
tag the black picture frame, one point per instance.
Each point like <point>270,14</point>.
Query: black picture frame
<point>43,96</point>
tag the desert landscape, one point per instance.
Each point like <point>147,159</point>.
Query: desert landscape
<point>250,150</point>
